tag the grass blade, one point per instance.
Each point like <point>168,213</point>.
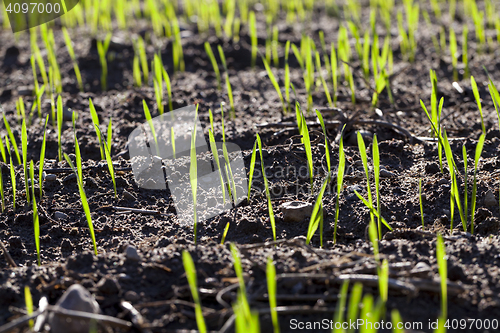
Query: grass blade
<point>189,267</point>
<point>271,291</point>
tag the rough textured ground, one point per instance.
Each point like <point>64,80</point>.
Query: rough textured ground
<point>156,284</point>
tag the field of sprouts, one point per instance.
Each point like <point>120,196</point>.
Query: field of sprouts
<point>369,132</point>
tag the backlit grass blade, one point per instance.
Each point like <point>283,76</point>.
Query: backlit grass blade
<point>376,174</point>
<point>42,156</point>
<point>397,322</point>
<point>465,208</point>
<point>189,267</point>
<point>149,119</point>
<point>253,36</point>
<point>271,292</point>
<point>266,184</point>
<point>12,139</point>
<point>85,204</point>
<point>210,53</point>
<point>12,176</point>
<point>323,81</point>
<point>327,146</point>
<point>2,191</point>
<point>95,121</point>
<point>252,168</point>
<point>495,96</point>
<point>478,101</point>
<point>36,223</point>
<point>317,213</point>
<point>2,150</point>
<point>443,274</point>
<point>372,210</point>
<point>59,125</point>
<point>304,132</point>
<point>213,148</point>
<point>340,181</point>
<point>354,302</point>
<point>224,234</point>
<point>24,146</point>
<point>338,316</point>
<point>275,83</point>
<point>383,280</point>
<point>479,150</point>
<point>364,160</point>
<point>78,155</point>
<point>28,301</point>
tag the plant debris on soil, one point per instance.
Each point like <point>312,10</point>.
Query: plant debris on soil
<point>140,240</point>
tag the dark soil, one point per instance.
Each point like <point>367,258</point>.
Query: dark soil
<point>156,285</point>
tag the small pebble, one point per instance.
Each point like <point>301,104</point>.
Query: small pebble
<point>132,254</point>
<point>69,177</point>
<point>296,211</point>
<point>490,200</point>
<point>50,177</point>
<point>131,296</point>
<point>108,286</point>
<point>59,216</point>
<point>387,174</point>
<point>76,298</point>
<point>128,196</point>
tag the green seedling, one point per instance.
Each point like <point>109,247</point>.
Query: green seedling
<point>85,204</point>
<point>12,139</point>
<point>71,52</point>
<point>224,234</point>
<point>376,174</point>
<point>24,145</point>
<point>327,145</point>
<point>443,274</point>
<point>42,156</point>
<point>208,50</point>
<point>340,183</point>
<point>304,132</point>
<point>95,122</point>
<point>157,67</point>
<point>59,125</point>
<point>338,316</point>
<point>323,81</point>
<point>479,150</point>
<point>354,302</point>
<point>228,83</point>
<point>397,322</point>
<point>102,50</point>
<point>36,222</point>
<point>141,51</point>
<point>12,175</point>
<point>266,184</point>
<point>334,64</point>
<point>421,202</point>
<point>166,78</point>
<point>252,169</point>
<point>287,74</point>
<point>364,160</point>
<point>372,234</point>
<point>495,97</point>
<point>271,292</point>
<point>189,267</point>
<point>478,101</point>
<point>213,148</point>
<point>2,191</point>
<point>317,214</point>
<point>275,83</point>
<point>2,150</point>
<point>28,301</point>
<point>107,153</point>
<point>466,208</point>
<point>136,70</point>
<point>383,280</point>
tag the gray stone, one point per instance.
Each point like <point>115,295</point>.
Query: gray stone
<point>296,211</point>
<point>490,200</point>
<point>50,177</point>
<point>128,196</point>
<point>132,254</point>
<point>387,174</point>
<point>68,114</point>
<point>76,298</point>
<point>131,296</point>
<point>59,216</point>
